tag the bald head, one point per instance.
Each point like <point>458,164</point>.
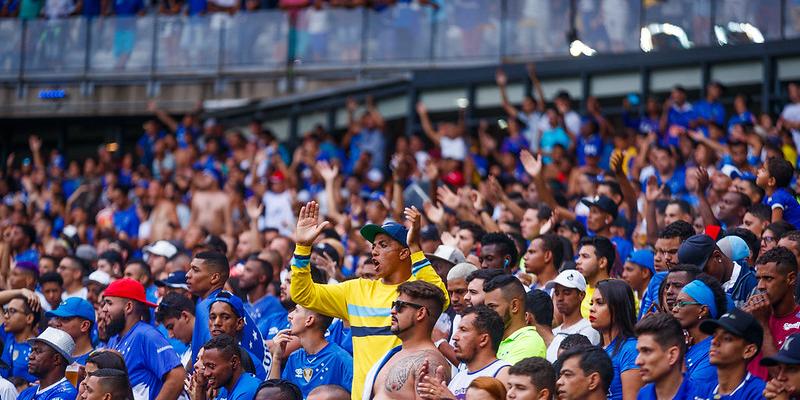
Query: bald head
<point>329,392</point>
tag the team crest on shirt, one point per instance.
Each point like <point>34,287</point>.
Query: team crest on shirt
<point>307,373</point>
<point>15,355</point>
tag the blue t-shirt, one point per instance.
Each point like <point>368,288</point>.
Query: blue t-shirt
<point>624,247</point>
<point>712,112</point>
<point>685,392</point>
<point>740,119</point>
<point>784,200</point>
<point>650,296</point>
<point>682,116</point>
<point>128,7</point>
<point>551,138</point>
<point>750,388</point>
<point>244,389</point>
<point>623,360</point>
<point>82,358</point>
<point>127,221</point>
<point>148,357</point>
<point>264,307</point>
<point>331,365</point>
<point>341,335</point>
<point>273,324</point>
<point>15,355</point>
<point>697,364</point>
<point>200,334</point>
<point>63,390</point>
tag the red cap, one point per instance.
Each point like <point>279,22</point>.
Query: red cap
<point>277,176</point>
<point>128,288</point>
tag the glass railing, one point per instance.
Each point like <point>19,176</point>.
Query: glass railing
<point>408,34</point>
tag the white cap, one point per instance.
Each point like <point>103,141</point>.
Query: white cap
<point>100,277</point>
<point>449,254</point>
<point>375,175</point>
<point>162,248</point>
<point>59,340</point>
<point>570,278</point>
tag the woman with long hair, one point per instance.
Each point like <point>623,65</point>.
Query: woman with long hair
<point>701,299</point>
<point>613,314</point>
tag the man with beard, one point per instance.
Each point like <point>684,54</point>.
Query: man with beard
<point>476,343</point>
<point>226,315</point>
<point>397,257</point>
<point>222,371</point>
<point>414,314</point>
<point>50,355</point>
<point>254,281</point>
<point>206,277</point>
<point>154,368</point>
<point>506,296</point>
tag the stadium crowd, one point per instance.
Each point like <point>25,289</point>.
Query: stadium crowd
<point>556,255</point>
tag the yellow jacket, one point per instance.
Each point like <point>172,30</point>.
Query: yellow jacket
<point>366,304</point>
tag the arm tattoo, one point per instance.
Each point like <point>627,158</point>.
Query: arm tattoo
<point>410,365</point>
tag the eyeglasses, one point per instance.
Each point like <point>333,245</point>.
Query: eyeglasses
<point>768,239</point>
<point>11,311</point>
<point>399,305</point>
<point>682,304</point>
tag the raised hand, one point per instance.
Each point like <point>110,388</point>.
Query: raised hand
<point>414,217</point>
<point>434,213</point>
<point>421,109</point>
<point>449,240</point>
<point>35,143</point>
<point>254,208</point>
<point>531,163</point>
<point>616,163</point>
<point>477,200</point>
<point>653,191</point>
<point>308,225</point>
<point>500,77</point>
<point>328,171</point>
<point>703,181</point>
<point>447,197</point>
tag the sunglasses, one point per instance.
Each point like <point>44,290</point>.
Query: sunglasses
<point>399,305</point>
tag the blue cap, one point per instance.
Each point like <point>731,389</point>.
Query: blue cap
<point>788,354</point>
<point>73,307</point>
<point>734,247</point>
<point>396,231</point>
<point>234,301</point>
<point>175,279</point>
<point>644,259</point>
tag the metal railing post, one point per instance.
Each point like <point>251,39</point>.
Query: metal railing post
<point>22,50</point>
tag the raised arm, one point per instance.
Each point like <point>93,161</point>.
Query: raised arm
<point>162,116</point>
<point>254,210</point>
<point>628,192</point>
<point>326,299</point>
<point>376,115</point>
<point>537,87</point>
<point>533,166</point>
<point>502,81</point>
<point>427,127</point>
<point>651,219</point>
<point>421,268</point>
<point>35,145</point>
<point>703,206</point>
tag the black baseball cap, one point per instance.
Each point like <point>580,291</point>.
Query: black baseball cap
<point>739,323</point>
<point>326,249</point>
<point>604,203</point>
<point>696,250</point>
<point>788,354</point>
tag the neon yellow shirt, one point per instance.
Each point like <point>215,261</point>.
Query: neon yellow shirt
<point>523,343</point>
<point>366,304</point>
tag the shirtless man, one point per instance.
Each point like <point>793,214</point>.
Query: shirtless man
<point>164,215</point>
<point>414,314</point>
<point>210,205</point>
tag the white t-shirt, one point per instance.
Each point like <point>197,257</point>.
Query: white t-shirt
<point>453,148</point>
<point>7,390</point>
<point>573,122</point>
<point>278,212</point>
<point>533,130</point>
<point>791,112</point>
<point>82,293</point>
<point>460,382</point>
<point>559,333</point>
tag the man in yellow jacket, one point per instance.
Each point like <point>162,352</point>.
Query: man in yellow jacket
<point>366,304</point>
